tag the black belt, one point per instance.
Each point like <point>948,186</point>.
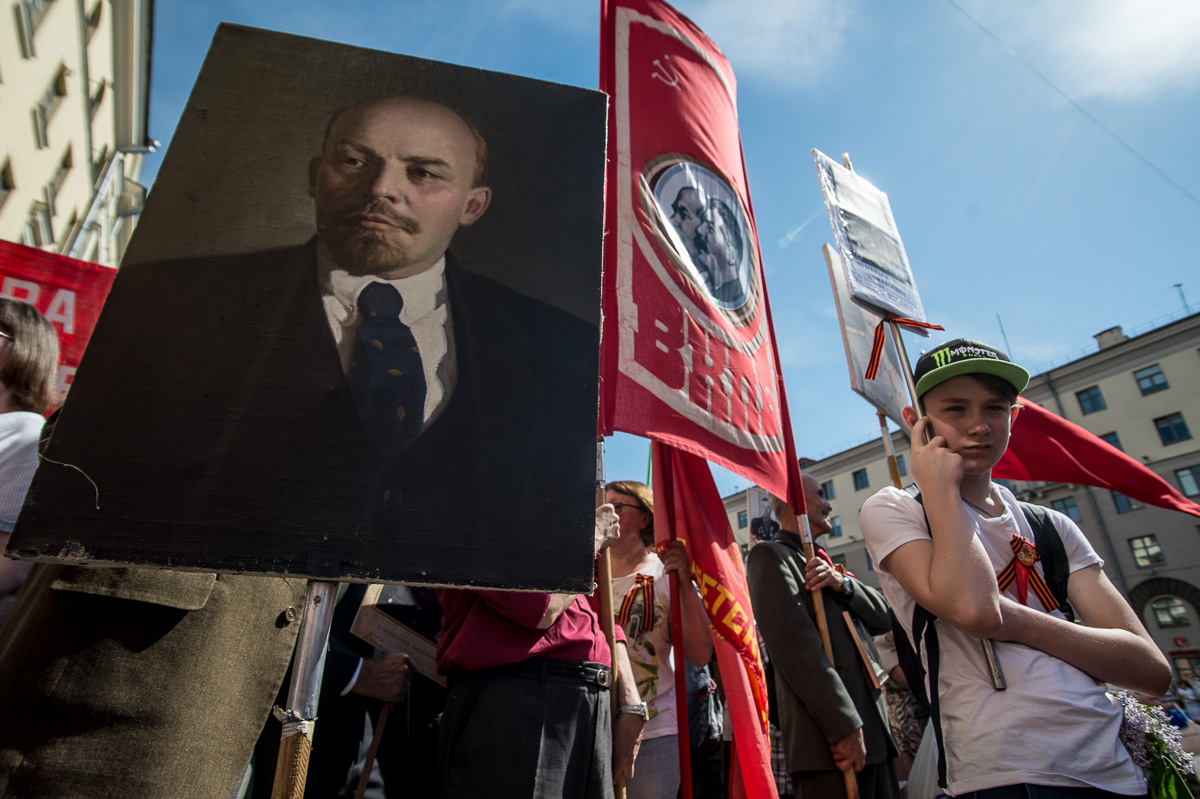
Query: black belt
<point>546,670</point>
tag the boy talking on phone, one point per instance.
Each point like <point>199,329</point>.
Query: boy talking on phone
<point>958,562</point>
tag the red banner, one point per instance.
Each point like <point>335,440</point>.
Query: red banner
<point>688,506</point>
<point>1045,446</point>
<point>688,353</point>
<point>68,292</point>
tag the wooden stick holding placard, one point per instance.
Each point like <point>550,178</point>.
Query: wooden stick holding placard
<point>893,465</point>
<point>300,716</point>
<point>989,652</point>
<point>604,586</point>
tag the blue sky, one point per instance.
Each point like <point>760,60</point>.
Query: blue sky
<point>1041,156</point>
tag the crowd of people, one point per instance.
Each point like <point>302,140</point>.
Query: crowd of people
<point>159,683</point>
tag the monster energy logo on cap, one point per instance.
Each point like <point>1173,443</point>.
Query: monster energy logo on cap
<point>963,357</point>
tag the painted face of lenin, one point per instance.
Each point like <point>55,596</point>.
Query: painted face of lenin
<point>396,178</point>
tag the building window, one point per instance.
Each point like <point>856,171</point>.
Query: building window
<point>96,98</point>
<point>1189,480</point>
<point>836,522</point>
<point>1125,504</point>
<point>900,465</point>
<point>743,519</point>
<point>827,487</point>
<point>46,107</point>
<point>1146,551</point>
<point>1151,379</point>
<point>56,182</point>
<point>29,16</point>
<point>1114,439</point>
<point>1090,400</point>
<point>1172,429</point>
<point>98,162</point>
<point>1068,508</point>
<point>1170,612</point>
<point>94,20</point>
<point>39,230</point>
<point>860,480</point>
<point>6,182</point>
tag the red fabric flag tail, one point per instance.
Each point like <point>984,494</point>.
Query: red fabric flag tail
<point>1045,446</point>
<point>686,500</point>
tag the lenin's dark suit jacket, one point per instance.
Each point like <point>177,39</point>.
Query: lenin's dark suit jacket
<point>212,404</point>
<point>820,703</point>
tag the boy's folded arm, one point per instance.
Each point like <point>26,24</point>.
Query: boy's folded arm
<point>960,591</point>
<point>1111,646</point>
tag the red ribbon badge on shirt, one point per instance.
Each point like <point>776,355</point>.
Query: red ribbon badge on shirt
<point>1020,571</point>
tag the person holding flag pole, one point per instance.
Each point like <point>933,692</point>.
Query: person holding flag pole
<point>642,602</point>
<point>833,719</point>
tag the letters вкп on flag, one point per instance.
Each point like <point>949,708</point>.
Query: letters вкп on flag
<point>68,292</point>
<point>688,352</point>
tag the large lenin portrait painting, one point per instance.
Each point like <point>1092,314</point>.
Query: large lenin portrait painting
<point>355,335</point>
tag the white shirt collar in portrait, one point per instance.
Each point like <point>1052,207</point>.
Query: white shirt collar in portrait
<point>425,312</point>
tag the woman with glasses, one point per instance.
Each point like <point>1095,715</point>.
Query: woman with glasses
<point>28,363</point>
<point>641,603</point>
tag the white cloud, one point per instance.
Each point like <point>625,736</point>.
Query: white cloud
<point>1122,49</point>
<point>791,42</point>
<point>795,42</point>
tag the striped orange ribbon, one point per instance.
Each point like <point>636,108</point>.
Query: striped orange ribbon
<point>877,345</point>
<point>1023,574</point>
<point>643,583</point>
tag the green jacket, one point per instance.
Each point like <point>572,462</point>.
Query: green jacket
<point>139,682</point>
<point>820,703</point>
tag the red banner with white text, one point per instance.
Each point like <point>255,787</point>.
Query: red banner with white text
<point>686,502</point>
<point>68,292</point>
<point>688,353</point>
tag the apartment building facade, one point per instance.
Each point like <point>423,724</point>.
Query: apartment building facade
<point>74,97</point>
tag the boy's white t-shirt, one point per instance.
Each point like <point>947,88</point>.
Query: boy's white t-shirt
<point>1054,725</point>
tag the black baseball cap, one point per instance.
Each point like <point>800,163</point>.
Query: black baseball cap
<point>962,356</point>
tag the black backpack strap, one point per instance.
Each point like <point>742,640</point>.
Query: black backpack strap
<point>1055,566</point>
<point>910,664</point>
<point>924,635</point>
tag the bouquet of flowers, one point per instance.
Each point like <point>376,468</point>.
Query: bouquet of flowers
<point>1155,745</point>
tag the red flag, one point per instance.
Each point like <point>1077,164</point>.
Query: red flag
<point>688,352</point>
<point>1047,447</point>
<point>68,292</point>
<point>687,505</point>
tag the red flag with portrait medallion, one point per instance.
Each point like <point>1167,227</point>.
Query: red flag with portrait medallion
<point>688,353</point>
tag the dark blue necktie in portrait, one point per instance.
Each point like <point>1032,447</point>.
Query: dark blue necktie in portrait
<point>385,375</point>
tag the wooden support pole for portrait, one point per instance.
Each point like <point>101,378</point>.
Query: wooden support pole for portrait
<point>308,665</point>
<point>823,628</point>
<point>989,652</point>
<point>604,586</point>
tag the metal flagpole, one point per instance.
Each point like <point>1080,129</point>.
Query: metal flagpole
<point>989,652</point>
<point>308,665</point>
